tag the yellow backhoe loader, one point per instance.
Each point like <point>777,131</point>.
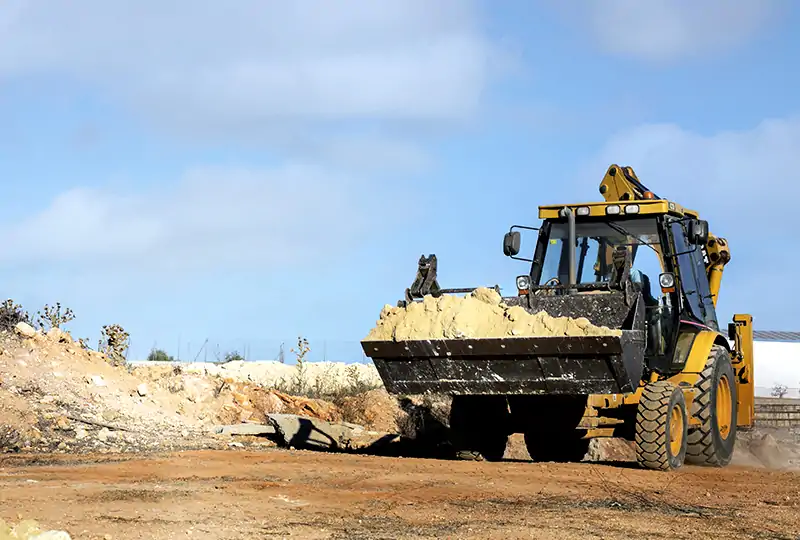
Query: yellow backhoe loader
<point>670,381</point>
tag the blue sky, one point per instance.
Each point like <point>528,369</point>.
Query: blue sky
<point>245,175</point>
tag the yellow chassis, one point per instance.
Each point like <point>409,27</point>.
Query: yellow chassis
<point>597,425</point>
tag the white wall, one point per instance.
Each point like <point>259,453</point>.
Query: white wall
<point>776,363</point>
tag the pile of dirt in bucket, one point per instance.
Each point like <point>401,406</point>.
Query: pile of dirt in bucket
<point>481,314</point>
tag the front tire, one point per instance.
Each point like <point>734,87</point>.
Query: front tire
<point>661,427</point>
<point>711,444</point>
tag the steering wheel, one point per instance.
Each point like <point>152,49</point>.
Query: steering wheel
<point>552,281</point>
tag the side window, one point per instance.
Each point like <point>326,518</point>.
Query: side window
<point>588,260</point>
<point>703,289</point>
<point>688,272</point>
<point>648,263</point>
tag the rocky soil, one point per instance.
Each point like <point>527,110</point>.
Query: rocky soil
<point>241,494</point>
<point>63,405</point>
<point>57,397</point>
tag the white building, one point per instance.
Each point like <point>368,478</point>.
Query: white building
<point>776,361</point>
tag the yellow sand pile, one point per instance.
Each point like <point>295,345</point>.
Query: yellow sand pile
<point>481,314</point>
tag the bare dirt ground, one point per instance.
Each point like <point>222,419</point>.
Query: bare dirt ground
<point>281,494</point>
<point>105,451</point>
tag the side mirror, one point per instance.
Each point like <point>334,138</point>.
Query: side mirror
<point>511,243</point>
<point>698,232</point>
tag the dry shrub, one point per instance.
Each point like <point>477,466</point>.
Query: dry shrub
<point>53,317</point>
<point>12,314</point>
<point>114,343</point>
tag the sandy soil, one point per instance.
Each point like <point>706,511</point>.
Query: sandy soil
<point>279,493</point>
<point>480,314</point>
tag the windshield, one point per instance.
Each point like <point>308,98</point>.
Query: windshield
<point>596,242</point>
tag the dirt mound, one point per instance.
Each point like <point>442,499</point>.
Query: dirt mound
<point>375,410</point>
<point>481,314</point>
<point>55,396</point>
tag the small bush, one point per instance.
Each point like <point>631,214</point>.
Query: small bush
<point>52,317</point>
<point>11,315</point>
<point>114,343</point>
<point>233,357</point>
<point>298,385</point>
<point>158,355</point>
<point>323,385</point>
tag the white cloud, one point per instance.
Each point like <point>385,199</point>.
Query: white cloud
<point>307,79</point>
<point>664,30</point>
<point>216,217</point>
<point>214,66</point>
<point>744,183</point>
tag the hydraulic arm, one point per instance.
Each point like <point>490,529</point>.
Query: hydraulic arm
<point>622,184</point>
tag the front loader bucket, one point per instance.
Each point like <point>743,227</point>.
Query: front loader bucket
<point>515,365</point>
<point>537,365</point>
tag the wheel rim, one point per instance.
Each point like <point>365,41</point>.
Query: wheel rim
<point>724,407</point>
<point>675,430</point>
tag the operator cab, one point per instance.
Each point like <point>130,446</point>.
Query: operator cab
<point>600,248</point>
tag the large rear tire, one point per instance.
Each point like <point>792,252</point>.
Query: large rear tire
<point>712,443</point>
<point>661,427</point>
<point>479,427</point>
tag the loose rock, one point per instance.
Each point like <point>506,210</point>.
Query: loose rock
<point>25,330</point>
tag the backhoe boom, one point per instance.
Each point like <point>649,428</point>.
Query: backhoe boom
<point>622,184</point>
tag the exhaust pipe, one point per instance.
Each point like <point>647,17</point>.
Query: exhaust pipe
<point>573,241</point>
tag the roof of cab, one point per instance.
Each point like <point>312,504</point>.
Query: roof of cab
<point>598,209</point>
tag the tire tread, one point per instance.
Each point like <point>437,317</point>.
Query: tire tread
<point>652,417</point>
<point>701,449</point>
